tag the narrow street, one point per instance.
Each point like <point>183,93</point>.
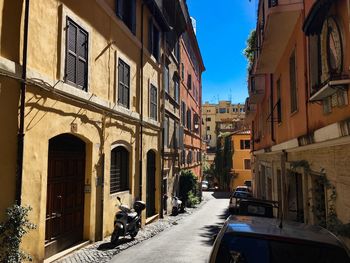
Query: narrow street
<point>190,241</point>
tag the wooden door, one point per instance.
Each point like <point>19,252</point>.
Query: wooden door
<point>65,194</point>
<point>151,184</point>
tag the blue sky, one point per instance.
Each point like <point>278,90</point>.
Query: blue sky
<point>222,29</point>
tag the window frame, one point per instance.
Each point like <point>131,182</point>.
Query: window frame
<point>293,78</point>
<point>245,166</point>
<point>125,164</point>
<point>153,100</point>
<point>124,85</point>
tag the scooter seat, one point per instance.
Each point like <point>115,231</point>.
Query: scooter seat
<point>132,215</point>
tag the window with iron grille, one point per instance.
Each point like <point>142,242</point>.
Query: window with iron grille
<point>126,11</point>
<point>119,171</point>
<point>183,113</point>
<point>123,84</point>
<point>293,83</point>
<point>76,72</point>
<point>153,103</point>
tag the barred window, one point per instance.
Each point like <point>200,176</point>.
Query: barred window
<point>119,173</point>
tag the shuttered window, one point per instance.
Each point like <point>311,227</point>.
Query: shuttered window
<point>166,131</point>
<point>176,90</point>
<point>153,39</point>
<point>119,173</point>
<point>126,11</point>
<point>189,119</point>
<point>183,113</point>
<point>76,71</point>
<point>153,102</point>
<point>123,84</point>
<point>247,165</point>
<point>293,83</point>
<point>166,79</point>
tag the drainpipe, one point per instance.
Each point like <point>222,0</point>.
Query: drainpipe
<point>163,141</point>
<point>141,95</point>
<point>271,109</point>
<point>20,135</point>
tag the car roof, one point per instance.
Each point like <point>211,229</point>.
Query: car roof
<point>270,227</point>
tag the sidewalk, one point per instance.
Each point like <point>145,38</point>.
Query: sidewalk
<point>103,251</point>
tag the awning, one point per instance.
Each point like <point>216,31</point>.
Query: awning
<point>317,15</point>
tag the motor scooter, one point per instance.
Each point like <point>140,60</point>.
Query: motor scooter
<point>176,204</point>
<point>127,221</point>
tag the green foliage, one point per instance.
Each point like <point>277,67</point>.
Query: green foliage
<point>188,187</point>
<point>251,47</point>
<point>12,232</point>
<point>192,200</point>
<point>223,161</point>
<point>331,222</point>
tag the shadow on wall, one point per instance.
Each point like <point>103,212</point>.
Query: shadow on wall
<point>11,29</point>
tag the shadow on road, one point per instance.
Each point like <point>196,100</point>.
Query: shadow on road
<point>221,195</point>
<point>210,231</point>
<point>109,245</point>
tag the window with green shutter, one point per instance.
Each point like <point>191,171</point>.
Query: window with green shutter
<point>76,71</point>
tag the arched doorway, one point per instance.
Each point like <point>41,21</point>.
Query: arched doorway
<point>151,184</point>
<point>65,193</point>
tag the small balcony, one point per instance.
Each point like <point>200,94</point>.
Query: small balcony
<point>256,88</point>
<point>277,21</point>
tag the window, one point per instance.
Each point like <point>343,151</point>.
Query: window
<point>279,103</point>
<point>176,134</point>
<point>247,164</point>
<point>176,90</point>
<point>208,119</point>
<point>182,71</point>
<point>208,128</point>
<point>153,102</point>
<point>189,119</point>
<point>126,11</point>
<point>153,39</point>
<point>315,62</point>
<point>183,113</point>
<point>177,51</point>
<point>293,83</point>
<point>189,81</point>
<point>123,84</point>
<point>166,79</point>
<point>189,157</point>
<point>245,144</point>
<point>119,173</point>
<point>241,110</point>
<point>183,157</point>
<point>222,110</point>
<point>76,71</point>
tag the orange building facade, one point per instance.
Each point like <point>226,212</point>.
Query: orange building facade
<point>191,69</point>
<point>298,108</point>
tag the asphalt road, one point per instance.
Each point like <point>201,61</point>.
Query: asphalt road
<point>189,241</point>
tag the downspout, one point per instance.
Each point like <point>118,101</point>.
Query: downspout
<point>163,141</point>
<point>271,109</point>
<point>20,135</point>
<point>141,111</point>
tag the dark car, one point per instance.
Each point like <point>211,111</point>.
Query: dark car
<point>235,198</point>
<point>256,207</point>
<point>247,239</point>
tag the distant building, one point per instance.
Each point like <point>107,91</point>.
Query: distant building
<point>241,163</point>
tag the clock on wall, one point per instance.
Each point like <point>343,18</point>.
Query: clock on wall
<point>334,46</point>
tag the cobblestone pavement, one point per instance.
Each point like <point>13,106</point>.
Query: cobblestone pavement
<point>103,251</point>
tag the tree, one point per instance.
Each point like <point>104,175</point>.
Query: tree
<point>251,47</point>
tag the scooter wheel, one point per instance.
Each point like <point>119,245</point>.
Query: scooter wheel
<point>135,232</point>
<point>114,238</point>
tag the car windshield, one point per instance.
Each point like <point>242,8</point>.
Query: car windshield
<point>241,195</point>
<point>244,189</point>
<point>236,249</point>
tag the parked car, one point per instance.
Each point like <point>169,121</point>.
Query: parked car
<point>255,207</point>
<point>205,185</point>
<point>242,188</point>
<point>266,240</point>
<point>235,198</point>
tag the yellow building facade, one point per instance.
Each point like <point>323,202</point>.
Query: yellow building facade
<point>91,133</point>
<point>241,170</point>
